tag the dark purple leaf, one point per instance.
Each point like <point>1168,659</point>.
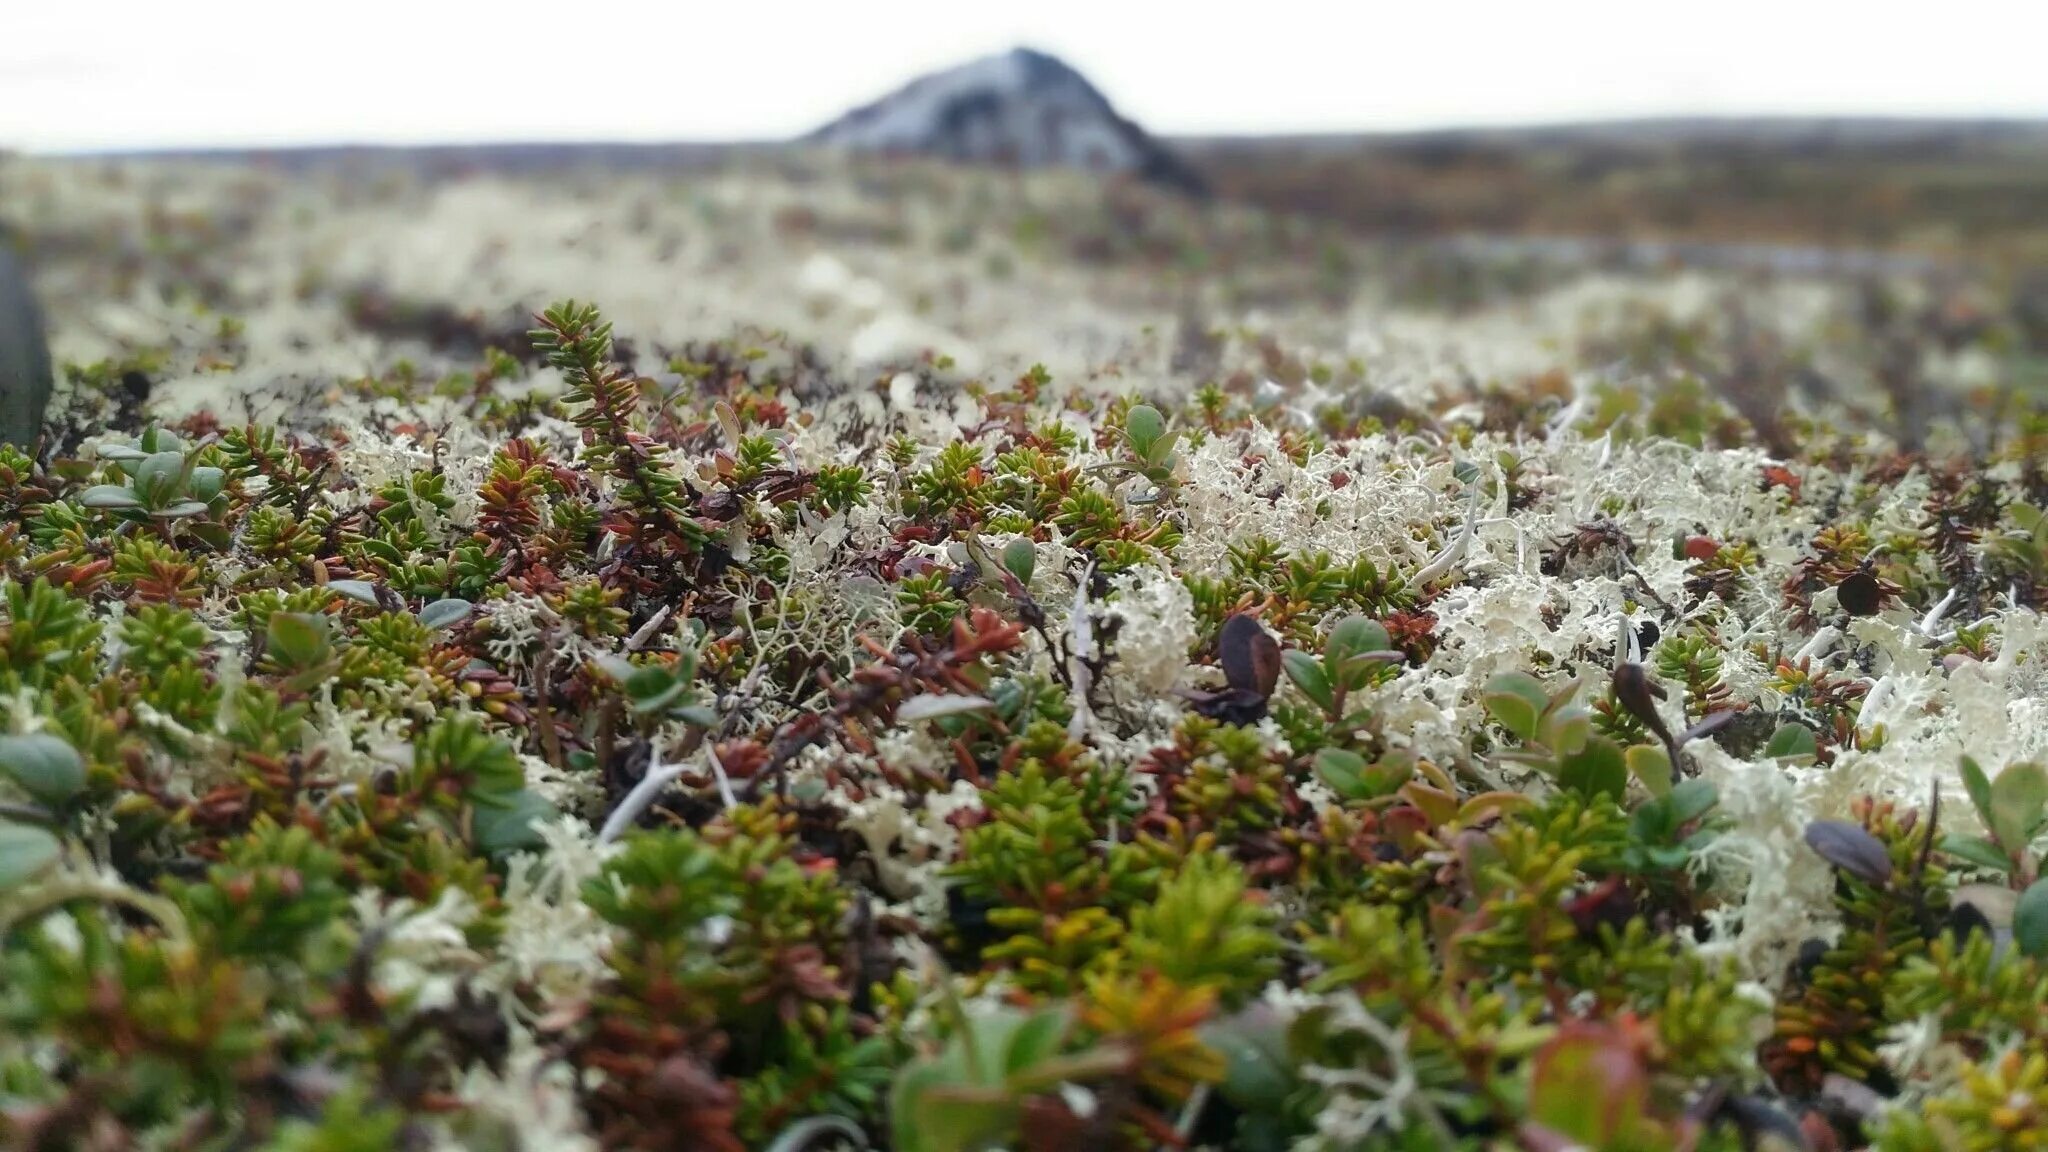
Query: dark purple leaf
<point>1230,706</point>
<point>1851,848</point>
<point>1638,693</point>
<point>1859,594</point>
<point>1251,657</point>
<point>1713,722</point>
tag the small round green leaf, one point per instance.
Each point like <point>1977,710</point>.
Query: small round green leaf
<point>506,823</point>
<point>1651,765</point>
<point>155,440</point>
<point>25,850</point>
<point>1020,556</point>
<point>297,639</point>
<point>1516,701</point>
<point>446,613</point>
<point>2030,921</point>
<point>1792,742</point>
<point>158,477</point>
<point>109,496</point>
<point>45,766</point>
<point>361,591</point>
<point>183,509</point>
<point>1253,1044</point>
<point>1565,732</point>
<point>1693,799</point>
<point>1355,634</point>
<point>1160,457</point>
<point>206,483</point>
<point>1144,425</point>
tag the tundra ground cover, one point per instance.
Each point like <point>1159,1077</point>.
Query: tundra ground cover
<point>1074,673</point>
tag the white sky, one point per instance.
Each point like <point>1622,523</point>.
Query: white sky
<point>83,74</point>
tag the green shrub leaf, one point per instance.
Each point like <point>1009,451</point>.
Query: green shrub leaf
<point>2019,795</point>
<point>1792,742</point>
<point>1978,785</point>
<point>1596,769</point>
<point>1307,674</point>
<point>1979,851</point>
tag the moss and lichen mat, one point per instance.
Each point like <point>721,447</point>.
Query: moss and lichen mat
<point>721,759</point>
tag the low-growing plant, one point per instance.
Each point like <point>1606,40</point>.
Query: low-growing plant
<point>704,761</point>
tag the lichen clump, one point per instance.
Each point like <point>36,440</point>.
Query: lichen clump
<point>730,755</point>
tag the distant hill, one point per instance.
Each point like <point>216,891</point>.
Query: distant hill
<point>1949,188</point>
<point>1853,132</point>
<point>1938,188</point>
<point>1023,107</point>
<point>445,160</point>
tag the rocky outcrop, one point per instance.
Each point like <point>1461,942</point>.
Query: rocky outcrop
<point>1022,108</point>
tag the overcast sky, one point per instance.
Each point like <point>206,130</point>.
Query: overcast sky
<point>88,74</point>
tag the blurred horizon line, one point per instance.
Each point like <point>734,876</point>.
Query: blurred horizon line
<point>1660,125</point>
